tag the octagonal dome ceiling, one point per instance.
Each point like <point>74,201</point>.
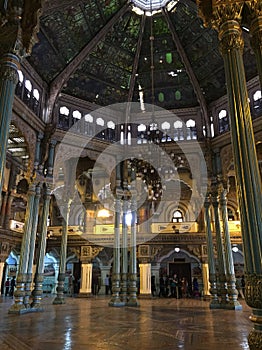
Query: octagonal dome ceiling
<point>102,51</point>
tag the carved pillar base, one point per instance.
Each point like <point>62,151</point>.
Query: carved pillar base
<point>124,287</point>
<point>115,300</point>
<point>28,290</point>
<point>18,307</point>
<point>223,291</point>
<point>59,299</point>
<point>37,293</point>
<point>132,301</point>
<point>233,304</point>
<point>253,296</point>
<point>214,304</point>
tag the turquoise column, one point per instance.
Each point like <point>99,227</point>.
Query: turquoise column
<point>214,304</point>
<point>230,270</point>
<point>37,150</point>
<point>39,275</point>
<point>18,307</point>
<point>51,157</point>
<point>220,250</point>
<point>248,180</point>
<point>59,299</point>
<point>132,301</point>
<point>247,172</point>
<point>9,65</point>
<point>115,300</point>
<point>124,249</point>
<point>32,246</point>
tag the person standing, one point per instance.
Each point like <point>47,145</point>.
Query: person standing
<point>7,286</point>
<point>243,285</point>
<point>71,285</point>
<point>12,284</point>
<point>162,292</point>
<point>107,284</point>
<point>184,287</point>
<point>153,285</point>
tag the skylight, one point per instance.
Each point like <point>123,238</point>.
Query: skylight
<point>149,7</point>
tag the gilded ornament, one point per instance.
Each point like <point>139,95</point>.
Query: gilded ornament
<point>8,73</point>
<point>255,7</point>
<point>230,42</point>
<point>254,340</point>
<point>253,291</point>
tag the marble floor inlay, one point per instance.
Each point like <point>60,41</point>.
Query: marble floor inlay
<point>90,324</point>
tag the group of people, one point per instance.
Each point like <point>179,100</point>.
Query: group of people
<point>175,287</point>
<point>10,287</point>
<point>96,284</point>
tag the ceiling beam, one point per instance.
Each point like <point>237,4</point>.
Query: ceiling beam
<point>136,59</point>
<point>58,83</point>
<point>189,70</point>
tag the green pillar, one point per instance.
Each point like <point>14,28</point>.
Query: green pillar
<point>230,270</point>
<point>225,17</point>
<point>247,171</point>
<point>132,301</point>
<point>19,294</point>
<point>220,250</point>
<point>32,246</point>
<point>115,300</point>
<point>39,275</point>
<point>17,39</point>
<point>124,250</point>
<point>59,299</point>
<point>214,304</point>
<point>9,65</point>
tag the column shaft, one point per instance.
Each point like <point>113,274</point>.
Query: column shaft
<point>39,275</point>
<point>220,254</point>
<point>124,255</point>
<point>210,256</point>
<point>32,246</point>
<point>248,178</point>
<point>9,64</point>
<point>133,263</point>
<point>18,306</point>
<point>115,300</point>
<point>230,270</point>
<point>59,299</point>
<point>245,158</point>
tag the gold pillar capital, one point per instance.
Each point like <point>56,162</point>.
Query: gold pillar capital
<point>216,12</point>
<point>255,7</point>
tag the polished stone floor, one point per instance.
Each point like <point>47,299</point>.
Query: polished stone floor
<point>156,324</point>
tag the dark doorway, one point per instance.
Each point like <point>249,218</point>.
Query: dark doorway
<point>182,270</point>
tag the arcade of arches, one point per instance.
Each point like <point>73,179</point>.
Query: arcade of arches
<point>95,180</point>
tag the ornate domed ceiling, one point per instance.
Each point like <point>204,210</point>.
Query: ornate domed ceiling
<point>100,51</point>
